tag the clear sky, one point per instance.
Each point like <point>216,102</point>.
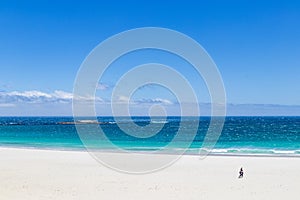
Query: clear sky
<point>255,44</point>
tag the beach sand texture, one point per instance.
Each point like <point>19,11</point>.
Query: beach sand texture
<point>47,174</point>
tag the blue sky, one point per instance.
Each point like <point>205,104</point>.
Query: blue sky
<point>255,44</point>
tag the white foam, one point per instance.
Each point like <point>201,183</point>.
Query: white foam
<point>159,122</point>
<point>284,151</point>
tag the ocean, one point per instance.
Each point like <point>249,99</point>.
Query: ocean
<point>270,136</point>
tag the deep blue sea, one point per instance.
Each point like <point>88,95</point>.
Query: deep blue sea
<point>240,135</point>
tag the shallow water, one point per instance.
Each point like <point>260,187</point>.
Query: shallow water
<point>240,135</point>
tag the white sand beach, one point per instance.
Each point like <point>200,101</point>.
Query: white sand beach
<point>46,174</point>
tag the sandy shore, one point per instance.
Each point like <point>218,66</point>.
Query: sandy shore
<point>45,174</point>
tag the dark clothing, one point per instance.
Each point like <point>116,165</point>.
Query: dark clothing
<point>241,173</point>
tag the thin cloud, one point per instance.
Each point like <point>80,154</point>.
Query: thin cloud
<point>150,86</point>
<point>125,99</point>
<point>102,86</point>
<point>154,101</point>
<point>6,105</point>
<point>35,96</point>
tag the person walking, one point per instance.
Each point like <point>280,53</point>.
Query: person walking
<point>241,173</point>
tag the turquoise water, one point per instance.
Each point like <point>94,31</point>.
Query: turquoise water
<point>240,135</point>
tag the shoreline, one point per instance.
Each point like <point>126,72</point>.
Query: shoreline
<point>147,152</point>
